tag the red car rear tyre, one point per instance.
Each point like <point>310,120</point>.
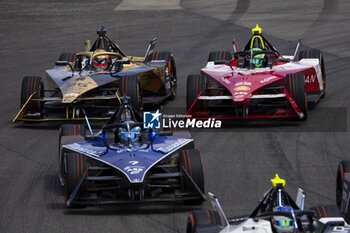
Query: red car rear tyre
<point>295,84</point>
<point>195,84</point>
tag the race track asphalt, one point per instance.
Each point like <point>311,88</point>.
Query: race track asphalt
<point>239,160</point>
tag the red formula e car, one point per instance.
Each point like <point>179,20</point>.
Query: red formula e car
<point>257,82</point>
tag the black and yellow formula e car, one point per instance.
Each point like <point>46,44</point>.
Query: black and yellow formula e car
<point>91,82</point>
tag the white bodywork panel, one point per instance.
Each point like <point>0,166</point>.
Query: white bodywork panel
<point>249,226</point>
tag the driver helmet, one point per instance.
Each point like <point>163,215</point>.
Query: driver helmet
<point>101,62</point>
<point>283,224</point>
<point>131,136</point>
<point>258,59</point>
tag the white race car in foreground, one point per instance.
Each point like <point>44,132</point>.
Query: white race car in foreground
<point>276,213</point>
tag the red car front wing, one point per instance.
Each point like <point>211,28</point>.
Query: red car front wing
<point>280,113</point>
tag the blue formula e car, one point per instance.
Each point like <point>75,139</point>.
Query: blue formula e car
<point>123,163</point>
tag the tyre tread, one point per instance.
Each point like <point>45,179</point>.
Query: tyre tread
<point>219,55</point>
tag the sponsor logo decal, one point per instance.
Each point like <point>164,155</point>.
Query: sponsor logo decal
<point>341,229</point>
<point>265,80</point>
<point>238,97</point>
<point>226,81</point>
<point>240,93</point>
<point>243,83</point>
<point>133,168</point>
<point>165,147</point>
<point>81,78</point>
<point>242,88</point>
<point>310,79</point>
<point>134,162</point>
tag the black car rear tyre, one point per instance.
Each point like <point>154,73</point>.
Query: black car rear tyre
<point>130,86</point>
<point>72,130</point>
<point>219,55</point>
<point>70,57</point>
<point>171,69</point>
<point>325,211</point>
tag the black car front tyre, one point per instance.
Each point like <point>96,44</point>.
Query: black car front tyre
<point>343,167</point>
<point>67,130</point>
<point>202,217</point>
<point>76,165</point>
<point>32,85</point>
<point>191,161</point>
